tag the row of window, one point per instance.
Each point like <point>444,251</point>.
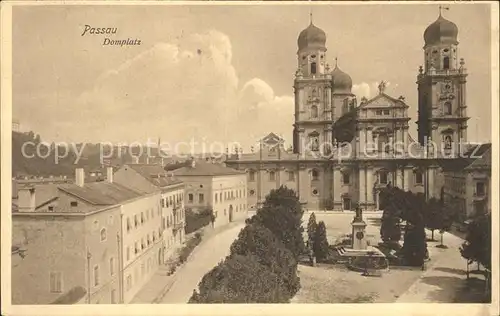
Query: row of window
<point>201,198</point>
<point>346,179</point>
<point>172,200</point>
<point>173,219</point>
<point>229,195</point>
<point>238,208</point>
<point>141,219</point>
<point>145,269</point>
<point>143,244</point>
<point>382,112</point>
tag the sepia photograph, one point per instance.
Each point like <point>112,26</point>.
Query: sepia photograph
<point>249,153</point>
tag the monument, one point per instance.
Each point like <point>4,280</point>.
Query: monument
<point>358,231</point>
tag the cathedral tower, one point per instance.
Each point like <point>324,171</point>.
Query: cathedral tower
<point>441,89</point>
<point>313,111</point>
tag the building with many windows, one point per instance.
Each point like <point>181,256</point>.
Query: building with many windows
<point>152,177</point>
<point>468,183</point>
<point>97,242</point>
<point>344,150</point>
<point>211,185</point>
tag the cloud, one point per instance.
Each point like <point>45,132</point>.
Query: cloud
<point>179,91</point>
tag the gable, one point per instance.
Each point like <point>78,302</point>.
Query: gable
<point>383,101</point>
<point>271,139</point>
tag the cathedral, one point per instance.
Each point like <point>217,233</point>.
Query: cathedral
<point>346,150</point>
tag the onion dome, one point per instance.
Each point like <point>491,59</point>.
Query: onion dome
<point>341,82</point>
<point>312,37</point>
<point>441,31</point>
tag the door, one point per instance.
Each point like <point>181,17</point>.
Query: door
<point>230,213</point>
<point>347,204</point>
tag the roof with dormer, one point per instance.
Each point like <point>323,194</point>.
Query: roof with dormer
<point>155,174</point>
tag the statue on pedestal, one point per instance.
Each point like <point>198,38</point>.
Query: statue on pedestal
<point>359,214</point>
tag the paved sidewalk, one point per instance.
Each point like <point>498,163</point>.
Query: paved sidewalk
<point>444,277</point>
<point>160,283</point>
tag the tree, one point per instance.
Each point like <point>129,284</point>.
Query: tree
<point>320,245</point>
<point>259,241</point>
<point>415,245</point>
<point>311,228</point>
<point>390,231</point>
<point>477,244</point>
<point>282,215</point>
<point>241,279</point>
<point>433,216</point>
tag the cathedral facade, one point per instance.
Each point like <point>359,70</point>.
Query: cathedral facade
<point>344,150</point>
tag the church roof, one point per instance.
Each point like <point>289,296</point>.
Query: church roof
<point>341,81</point>
<point>441,31</point>
<point>311,37</point>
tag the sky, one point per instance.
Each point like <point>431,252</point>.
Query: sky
<point>219,73</point>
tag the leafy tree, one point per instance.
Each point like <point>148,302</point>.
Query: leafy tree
<point>415,246</point>
<point>477,245</point>
<point>282,215</point>
<point>433,216</point>
<point>311,228</point>
<point>320,245</point>
<point>241,279</point>
<point>390,230</point>
<point>257,240</point>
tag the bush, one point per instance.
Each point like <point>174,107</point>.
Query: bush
<point>189,247</point>
<point>195,221</point>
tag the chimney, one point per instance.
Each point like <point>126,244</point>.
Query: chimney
<point>14,189</point>
<point>26,199</point>
<point>79,177</point>
<point>109,174</point>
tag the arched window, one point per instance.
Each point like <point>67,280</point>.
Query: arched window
<point>419,179</point>
<point>345,106</point>
<point>314,141</point>
<point>346,178</point>
<point>103,234</point>
<point>313,68</point>
<point>251,175</point>
<point>447,142</point>
<point>446,62</point>
<point>272,176</point>
<point>382,177</point>
<point>315,174</point>
<point>314,111</point>
<point>447,108</point>
<point>383,142</point>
